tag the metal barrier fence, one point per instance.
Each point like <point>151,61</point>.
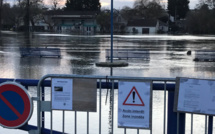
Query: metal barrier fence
<point>128,53</point>
<point>173,123</point>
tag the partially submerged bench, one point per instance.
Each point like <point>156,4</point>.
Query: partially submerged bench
<point>128,53</point>
<point>205,55</point>
<point>40,52</point>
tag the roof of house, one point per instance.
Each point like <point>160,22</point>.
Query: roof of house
<point>72,14</point>
<point>161,23</point>
<point>142,22</point>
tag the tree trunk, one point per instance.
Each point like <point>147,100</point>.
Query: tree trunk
<point>27,17</point>
<point>32,24</point>
<point>1,3</point>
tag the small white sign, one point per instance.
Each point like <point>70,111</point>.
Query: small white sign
<point>62,90</point>
<point>195,96</point>
<point>134,104</point>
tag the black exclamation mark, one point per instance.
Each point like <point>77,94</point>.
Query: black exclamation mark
<point>133,96</point>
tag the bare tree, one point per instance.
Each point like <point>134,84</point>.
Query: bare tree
<point>47,18</point>
<point>18,11</point>
<point>128,13</point>
<point>201,21</point>
<point>211,3</point>
<point>55,4</point>
<point>154,10</point>
<point>148,9</point>
<point>141,3</point>
<point>33,9</point>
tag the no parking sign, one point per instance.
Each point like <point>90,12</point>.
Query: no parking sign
<point>16,105</point>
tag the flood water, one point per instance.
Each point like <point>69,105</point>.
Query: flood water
<point>79,53</point>
<point>168,55</point>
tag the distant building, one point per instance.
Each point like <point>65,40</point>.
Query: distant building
<point>143,26</point>
<point>119,23</point>
<point>84,22</point>
<point>73,21</point>
<point>163,27</point>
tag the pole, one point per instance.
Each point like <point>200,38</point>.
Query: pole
<point>111,31</point>
<point>111,50</point>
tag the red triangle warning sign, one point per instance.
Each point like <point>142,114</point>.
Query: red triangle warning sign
<point>134,98</point>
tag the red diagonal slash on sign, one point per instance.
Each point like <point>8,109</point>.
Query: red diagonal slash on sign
<point>27,111</point>
<point>9,105</point>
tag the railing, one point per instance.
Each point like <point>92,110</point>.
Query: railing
<point>172,122</point>
<point>128,53</point>
<point>40,52</point>
<point>205,55</point>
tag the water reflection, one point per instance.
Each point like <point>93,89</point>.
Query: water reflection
<point>176,70</point>
<point>80,53</point>
<point>177,45</point>
<point>33,67</point>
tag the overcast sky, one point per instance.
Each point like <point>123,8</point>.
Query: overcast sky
<point>118,4</point>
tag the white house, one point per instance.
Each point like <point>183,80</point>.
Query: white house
<point>74,21</point>
<point>143,26</point>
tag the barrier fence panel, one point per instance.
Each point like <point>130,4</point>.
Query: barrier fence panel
<point>104,120</point>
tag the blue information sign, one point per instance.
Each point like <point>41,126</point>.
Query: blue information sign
<point>16,105</point>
